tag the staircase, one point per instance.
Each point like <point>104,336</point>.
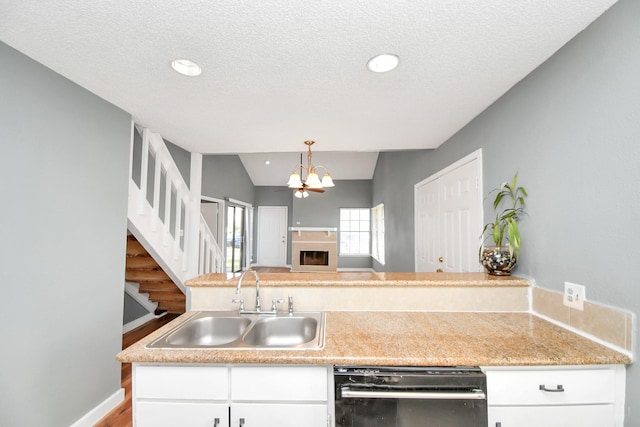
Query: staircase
<point>141,268</point>
<point>172,241</point>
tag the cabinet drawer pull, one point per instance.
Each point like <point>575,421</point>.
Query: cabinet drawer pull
<point>241,422</point>
<point>216,422</point>
<point>559,388</point>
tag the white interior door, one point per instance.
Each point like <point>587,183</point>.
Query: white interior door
<point>449,217</point>
<point>272,236</point>
<point>427,226</point>
<point>213,213</point>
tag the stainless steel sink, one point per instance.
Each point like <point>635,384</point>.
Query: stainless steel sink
<point>209,330</point>
<point>230,330</point>
<point>282,331</point>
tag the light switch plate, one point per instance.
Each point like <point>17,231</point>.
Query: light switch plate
<point>574,295</point>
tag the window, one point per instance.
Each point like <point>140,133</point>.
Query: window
<point>354,231</point>
<point>377,233</point>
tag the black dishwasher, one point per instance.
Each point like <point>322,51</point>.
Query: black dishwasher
<point>368,396</point>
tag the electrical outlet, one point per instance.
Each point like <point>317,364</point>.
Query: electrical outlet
<point>574,295</point>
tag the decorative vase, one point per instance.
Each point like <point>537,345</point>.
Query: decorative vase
<point>497,260</point>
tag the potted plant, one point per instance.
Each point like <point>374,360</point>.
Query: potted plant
<point>500,259</point>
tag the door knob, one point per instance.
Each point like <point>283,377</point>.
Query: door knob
<point>441,259</point>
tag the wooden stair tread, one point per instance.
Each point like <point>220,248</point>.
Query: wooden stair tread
<point>166,296</point>
<point>135,248</point>
<point>141,261</point>
<point>146,275</point>
<point>158,286</point>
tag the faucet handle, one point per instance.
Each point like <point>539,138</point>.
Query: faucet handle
<point>274,302</point>
<point>239,301</point>
<point>290,304</point>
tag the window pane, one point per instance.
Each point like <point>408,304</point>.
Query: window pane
<point>364,246</point>
<point>355,228</point>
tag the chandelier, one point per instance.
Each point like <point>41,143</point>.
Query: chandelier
<point>312,182</point>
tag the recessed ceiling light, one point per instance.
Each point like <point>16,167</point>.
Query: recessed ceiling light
<point>186,67</point>
<point>383,63</point>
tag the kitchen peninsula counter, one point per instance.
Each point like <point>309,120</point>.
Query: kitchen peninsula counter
<point>411,339</point>
<point>362,279</point>
<point>412,319</point>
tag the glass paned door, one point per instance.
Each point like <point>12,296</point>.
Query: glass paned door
<point>235,238</point>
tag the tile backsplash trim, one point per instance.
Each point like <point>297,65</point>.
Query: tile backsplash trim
<point>608,324</point>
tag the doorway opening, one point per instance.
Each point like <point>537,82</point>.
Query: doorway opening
<point>235,241</point>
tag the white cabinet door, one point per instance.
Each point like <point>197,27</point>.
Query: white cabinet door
<point>278,415</point>
<point>282,383</point>
<point>552,416</point>
<point>183,414</point>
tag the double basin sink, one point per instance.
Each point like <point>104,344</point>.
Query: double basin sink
<point>231,330</point>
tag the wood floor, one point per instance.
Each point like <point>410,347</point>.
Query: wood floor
<point>121,415</point>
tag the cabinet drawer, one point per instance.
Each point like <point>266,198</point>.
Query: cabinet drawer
<point>187,414</point>
<point>181,382</point>
<point>581,386</point>
<point>293,383</point>
<point>552,416</point>
<point>279,415</point>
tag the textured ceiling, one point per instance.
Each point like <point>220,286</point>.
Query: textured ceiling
<point>278,72</point>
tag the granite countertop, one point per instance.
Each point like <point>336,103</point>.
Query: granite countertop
<point>411,339</point>
<point>348,279</point>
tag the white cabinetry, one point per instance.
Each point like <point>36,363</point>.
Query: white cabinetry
<point>189,396</point>
<point>279,396</point>
<point>591,396</point>
<point>222,396</point>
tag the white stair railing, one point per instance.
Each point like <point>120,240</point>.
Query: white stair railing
<point>211,257</point>
<point>159,211</point>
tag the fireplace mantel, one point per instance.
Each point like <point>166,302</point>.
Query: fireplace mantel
<point>327,230</point>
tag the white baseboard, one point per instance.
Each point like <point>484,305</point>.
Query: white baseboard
<point>97,413</point>
<point>138,322</point>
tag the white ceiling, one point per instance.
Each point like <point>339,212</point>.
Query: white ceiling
<point>279,72</point>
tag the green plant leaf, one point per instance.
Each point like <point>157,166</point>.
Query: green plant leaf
<point>506,220</point>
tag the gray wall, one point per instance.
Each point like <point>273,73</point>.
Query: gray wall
<point>63,168</point>
<point>225,176</point>
<point>572,130</point>
<point>133,310</point>
<point>182,158</point>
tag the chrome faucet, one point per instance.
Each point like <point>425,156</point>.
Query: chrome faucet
<point>244,273</point>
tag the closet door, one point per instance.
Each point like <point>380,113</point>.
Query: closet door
<point>448,215</point>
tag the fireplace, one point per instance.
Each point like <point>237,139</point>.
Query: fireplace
<point>314,258</point>
<point>314,249</point>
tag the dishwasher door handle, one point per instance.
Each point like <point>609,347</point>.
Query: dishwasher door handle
<point>346,392</point>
